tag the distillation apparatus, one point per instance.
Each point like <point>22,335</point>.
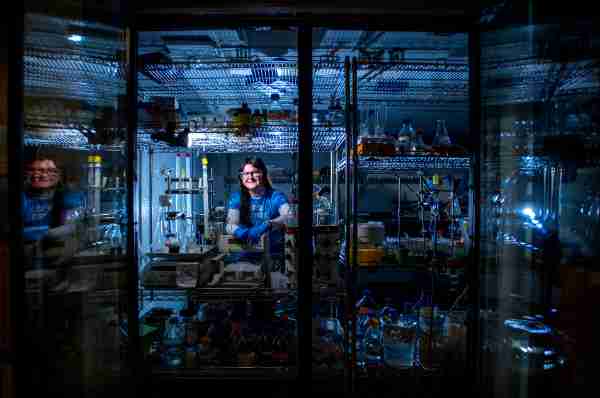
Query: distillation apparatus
<point>182,230</point>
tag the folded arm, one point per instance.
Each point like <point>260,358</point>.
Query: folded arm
<point>234,227</point>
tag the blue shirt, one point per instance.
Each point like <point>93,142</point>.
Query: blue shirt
<point>262,209</point>
<point>45,211</point>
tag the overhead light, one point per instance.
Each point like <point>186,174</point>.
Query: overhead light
<point>75,38</point>
<point>327,72</point>
<point>194,137</point>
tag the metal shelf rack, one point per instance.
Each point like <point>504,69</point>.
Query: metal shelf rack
<point>272,139</point>
<point>282,139</point>
<point>98,82</point>
<point>414,82</point>
<point>386,165</point>
<point>67,139</point>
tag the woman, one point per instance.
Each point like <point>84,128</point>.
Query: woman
<point>257,209</point>
<point>47,205</point>
<point>49,211</point>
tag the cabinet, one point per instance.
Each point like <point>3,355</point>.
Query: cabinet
<point>407,217</point>
<point>75,254</point>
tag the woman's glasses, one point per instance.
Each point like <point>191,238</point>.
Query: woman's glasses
<point>41,171</point>
<point>254,174</point>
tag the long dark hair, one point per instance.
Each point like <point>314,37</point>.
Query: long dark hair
<point>245,194</point>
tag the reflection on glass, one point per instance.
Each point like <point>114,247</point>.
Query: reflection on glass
<point>539,218</point>
<point>74,205</point>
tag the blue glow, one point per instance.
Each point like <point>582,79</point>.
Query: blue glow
<point>549,352</point>
<point>533,327</point>
<point>76,38</point>
<point>528,211</point>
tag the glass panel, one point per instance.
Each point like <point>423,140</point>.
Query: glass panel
<point>412,197</point>
<point>329,323</point>
<point>539,184</point>
<point>217,296</point>
<point>5,326</point>
<point>74,203</point>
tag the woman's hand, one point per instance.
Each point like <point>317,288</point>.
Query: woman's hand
<point>257,231</point>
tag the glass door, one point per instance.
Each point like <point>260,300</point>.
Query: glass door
<point>400,190</point>
<point>217,202</point>
<point>6,329</point>
<point>74,202</point>
<point>539,91</point>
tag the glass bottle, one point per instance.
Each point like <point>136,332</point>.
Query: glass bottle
<point>275,114</point>
<point>173,339</point>
<point>399,340</point>
<point>294,115</point>
<point>417,145</point>
<point>257,118</point>
<point>388,314</point>
<point>364,126</point>
<point>404,139</point>
<point>373,343</point>
<point>331,324</point>
<point>94,183</point>
<point>371,123</point>
<point>116,240</point>
<point>364,306</point>
<point>333,335</point>
<point>292,220</point>
<point>339,113</point>
<point>441,137</point>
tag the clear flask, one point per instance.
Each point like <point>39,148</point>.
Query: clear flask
<point>441,137</point>
<point>373,343</point>
<point>275,114</point>
<point>417,145</point>
<point>399,342</point>
<point>365,307</point>
<point>404,139</point>
<point>173,340</point>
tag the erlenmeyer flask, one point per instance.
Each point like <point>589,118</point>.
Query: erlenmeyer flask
<point>441,137</point>
<point>372,121</point>
<point>380,120</point>
<point>404,139</point>
<point>364,125</point>
<point>417,145</point>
